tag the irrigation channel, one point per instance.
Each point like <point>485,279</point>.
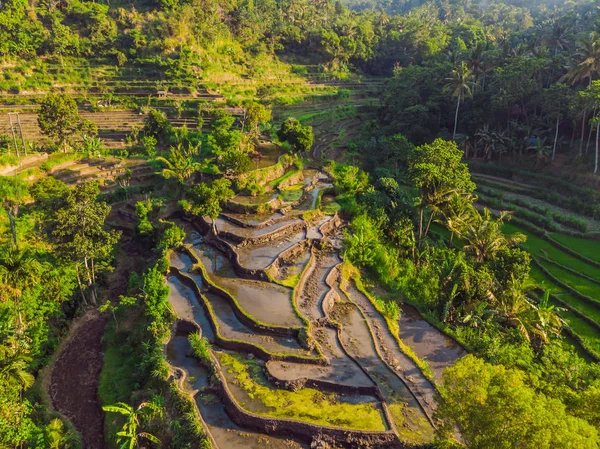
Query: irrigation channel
<point>300,356</point>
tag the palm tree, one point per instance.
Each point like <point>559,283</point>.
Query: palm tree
<point>130,435</point>
<point>597,123</point>
<point>12,191</point>
<point>588,54</point>
<point>545,319</point>
<point>180,165</point>
<point>483,234</point>
<point>458,85</point>
<point>13,370</point>
<point>558,37</point>
<point>18,271</point>
<point>542,149</point>
<point>478,65</point>
<point>514,308</point>
<point>58,436</point>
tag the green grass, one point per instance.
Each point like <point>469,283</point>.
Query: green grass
<point>306,404</point>
<point>292,194</point>
<point>329,206</point>
<point>582,285</point>
<point>576,303</point>
<point>538,246</point>
<point>291,281</point>
<point>588,333</point>
<point>116,381</point>
<point>587,248</point>
<point>279,180</point>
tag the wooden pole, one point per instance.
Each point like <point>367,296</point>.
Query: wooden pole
<point>12,130</point>
<point>21,133</point>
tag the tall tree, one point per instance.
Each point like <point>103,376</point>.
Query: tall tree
<point>81,235</point>
<point>482,233</point>
<point>18,271</point>
<point>59,118</point>
<point>13,370</point>
<point>459,86</point>
<point>586,67</point>
<point>255,115</point>
<point>556,101</point>
<point>592,96</point>
<point>438,172</point>
<point>300,137</point>
<point>205,200</point>
<point>12,194</point>
<point>179,165</point>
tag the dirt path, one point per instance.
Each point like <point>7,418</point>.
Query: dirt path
<point>75,379</point>
<point>75,376</point>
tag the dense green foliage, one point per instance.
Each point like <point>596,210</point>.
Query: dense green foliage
<point>38,296</point>
<point>515,84</point>
<point>495,408</point>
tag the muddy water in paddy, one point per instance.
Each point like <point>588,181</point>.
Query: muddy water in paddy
<point>258,257</point>
<point>232,328</point>
<point>184,263</point>
<point>430,344</point>
<point>178,354</point>
<point>293,267</point>
<point>268,302</point>
<point>313,231</point>
<point>311,199</point>
<point>310,302</point>
<point>229,326</point>
<point>224,225</point>
<point>187,306</point>
<point>342,369</point>
<point>256,406</point>
<point>358,341</point>
<point>269,155</point>
<point>391,352</point>
<point>225,432</point>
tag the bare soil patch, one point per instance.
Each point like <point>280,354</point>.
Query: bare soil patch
<point>75,378</point>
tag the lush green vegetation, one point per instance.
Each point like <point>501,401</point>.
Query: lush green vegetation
<point>430,112</point>
<point>585,247</point>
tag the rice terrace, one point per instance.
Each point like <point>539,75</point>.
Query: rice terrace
<point>300,224</point>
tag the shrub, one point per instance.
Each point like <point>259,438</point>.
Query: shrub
<point>201,348</point>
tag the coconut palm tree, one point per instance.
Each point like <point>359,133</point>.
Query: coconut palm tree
<point>180,165</point>
<point>558,36</point>
<point>588,67</point>
<point>57,436</point>
<point>18,271</point>
<point>514,309</point>
<point>459,86</point>
<point>130,435</point>
<point>12,191</point>
<point>483,234</point>
<point>13,370</point>
<point>588,55</point>
<point>546,321</point>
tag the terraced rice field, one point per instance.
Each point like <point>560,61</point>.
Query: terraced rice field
<point>568,266</point>
<point>298,336</point>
